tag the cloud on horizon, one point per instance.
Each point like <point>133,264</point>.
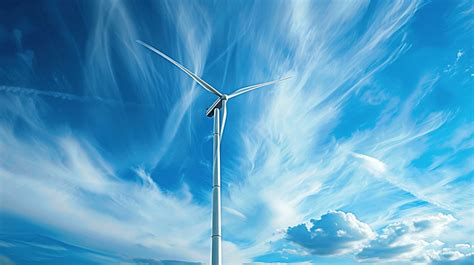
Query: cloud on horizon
<point>407,240</point>
<point>337,233</point>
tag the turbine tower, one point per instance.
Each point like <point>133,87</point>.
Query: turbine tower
<point>213,111</point>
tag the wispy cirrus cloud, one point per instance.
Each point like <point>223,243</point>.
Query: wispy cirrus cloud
<point>345,133</point>
<point>77,192</point>
<point>292,152</point>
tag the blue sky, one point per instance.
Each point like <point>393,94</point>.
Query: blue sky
<point>365,156</point>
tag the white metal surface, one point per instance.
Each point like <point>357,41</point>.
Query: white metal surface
<point>184,69</point>
<point>253,87</point>
<point>216,248</point>
<point>224,116</point>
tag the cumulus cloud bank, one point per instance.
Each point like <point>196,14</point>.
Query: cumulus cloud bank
<point>412,241</point>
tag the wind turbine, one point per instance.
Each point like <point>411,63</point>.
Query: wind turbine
<point>213,110</point>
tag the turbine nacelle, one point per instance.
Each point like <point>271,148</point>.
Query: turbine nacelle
<point>217,104</point>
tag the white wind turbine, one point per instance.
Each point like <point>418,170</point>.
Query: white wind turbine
<point>213,110</point>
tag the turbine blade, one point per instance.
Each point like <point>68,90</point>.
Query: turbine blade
<point>224,116</point>
<point>184,69</point>
<point>253,87</point>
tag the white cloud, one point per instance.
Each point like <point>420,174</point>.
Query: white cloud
<point>60,181</point>
<point>334,234</point>
<point>451,257</point>
<point>453,68</point>
<point>463,246</point>
<point>4,260</point>
<point>406,241</point>
<point>459,54</point>
<point>234,212</point>
<point>410,241</point>
<point>374,96</point>
<point>372,164</point>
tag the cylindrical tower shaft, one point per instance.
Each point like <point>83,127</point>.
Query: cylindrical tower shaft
<point>216,248</point>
